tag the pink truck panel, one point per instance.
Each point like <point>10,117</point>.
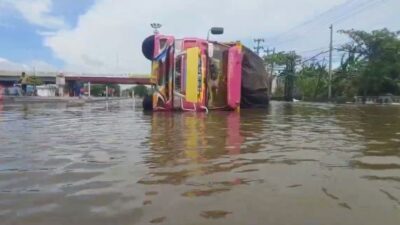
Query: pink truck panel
<point>234,77</point>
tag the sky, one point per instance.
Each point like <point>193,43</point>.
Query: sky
<point>105,36</point>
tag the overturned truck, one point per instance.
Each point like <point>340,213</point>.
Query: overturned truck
<point>194,74</point>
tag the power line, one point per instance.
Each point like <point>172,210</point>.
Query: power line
<point>367,6</point>
<point>310,21</point>
<point>319,49</point>
<point>345,15</point>
<point>315,56</point>
<point>312,50</point>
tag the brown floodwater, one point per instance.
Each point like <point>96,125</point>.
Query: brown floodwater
<point>294,163</point>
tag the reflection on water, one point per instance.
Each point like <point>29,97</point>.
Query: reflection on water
<point>112,164</point>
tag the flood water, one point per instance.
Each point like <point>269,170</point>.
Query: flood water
<point>294,163</point>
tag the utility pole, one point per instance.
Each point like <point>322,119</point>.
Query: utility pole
<point>330,63</point>
<point>271,67</point>
<point>289,77</point>
<point>89,89</point>
<point>258,46</point>
<point>272,72</point>
<point>272,62</point>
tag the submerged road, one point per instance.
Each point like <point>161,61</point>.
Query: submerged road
<point>109,163</point>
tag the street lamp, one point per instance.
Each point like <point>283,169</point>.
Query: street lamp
<point>215,31</point>
<point>156,26</point>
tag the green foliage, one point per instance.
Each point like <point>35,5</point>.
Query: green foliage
<point>33,80</point>
<point>279,92</point>
<point>371,65</point>
<point>100,89</point>
<point>97,89</point>
<point>281,58</point>
<point>312,81</point>
<point>140,90</point>
<point>116,88</point>
<point>288,59</point>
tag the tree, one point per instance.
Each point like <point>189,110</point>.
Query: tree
<point>34,80</point>
<point>140,90</point>
<point>289,60</point>
<point>280,58</point>
<point>100,89</point>
<point>116,89</point>
<point>346,79</point>
<point>370,65</point>
<point>312,81</point>
<point>97,90</point>
<point>372,62</point>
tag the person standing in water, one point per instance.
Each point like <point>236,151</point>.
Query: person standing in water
<point>23,81</point>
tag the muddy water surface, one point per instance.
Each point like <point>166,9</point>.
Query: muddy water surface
<point>305,164</point>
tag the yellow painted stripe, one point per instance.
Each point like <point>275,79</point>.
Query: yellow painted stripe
<point>192,71</point>
<point>154,72</point>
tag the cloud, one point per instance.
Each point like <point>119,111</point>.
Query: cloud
<point>31,66</point>
<point>37,12</point>
<point>108,36</point>
<point>41,66</point>
<point>7,65</point>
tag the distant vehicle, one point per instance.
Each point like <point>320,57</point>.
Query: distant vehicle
<point>193,74</point>
<point>16,90</point>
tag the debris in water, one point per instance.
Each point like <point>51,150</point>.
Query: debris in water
<point>215,214</point>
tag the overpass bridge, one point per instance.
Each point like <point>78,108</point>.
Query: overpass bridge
<point>109,79</point>
<point>8,78</point>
